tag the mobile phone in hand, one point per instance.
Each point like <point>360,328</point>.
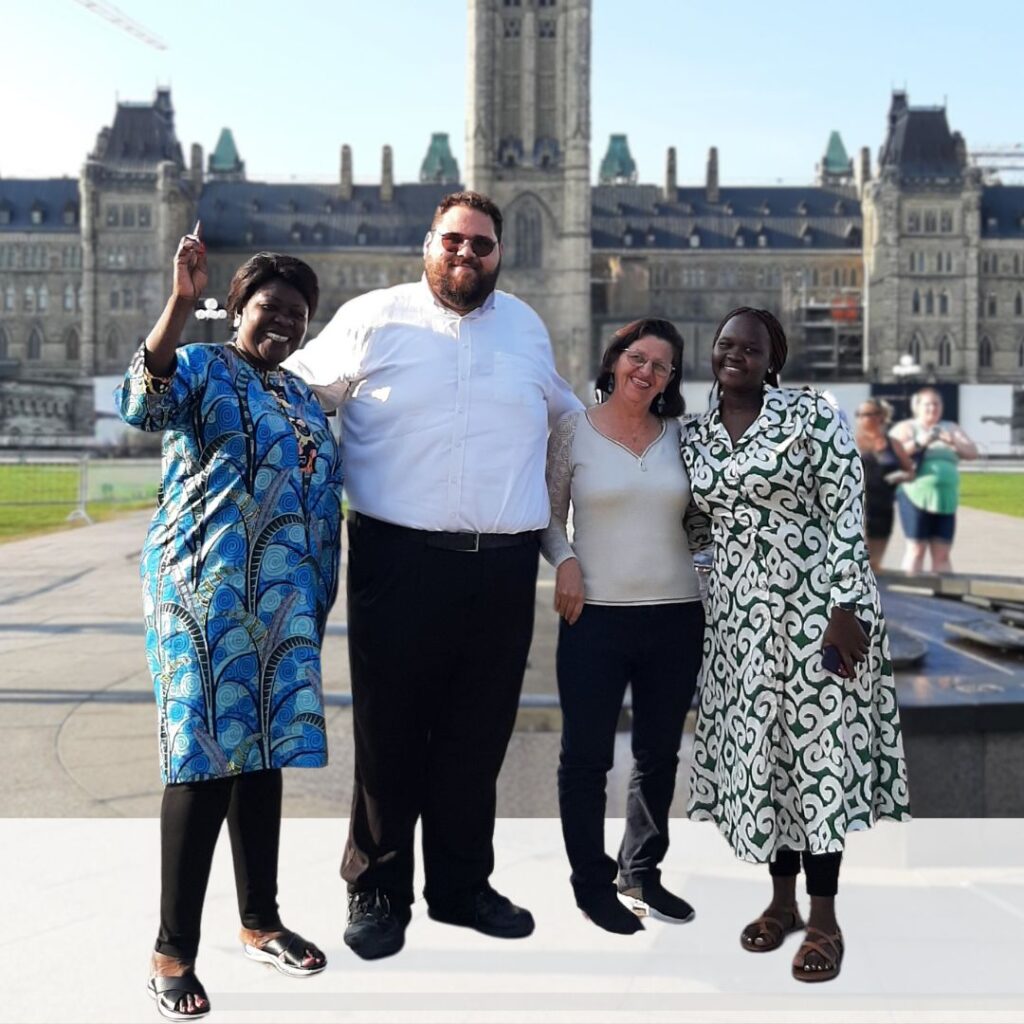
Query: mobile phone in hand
<point>830,659</point>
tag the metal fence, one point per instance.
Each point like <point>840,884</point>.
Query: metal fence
<point>76,482</point>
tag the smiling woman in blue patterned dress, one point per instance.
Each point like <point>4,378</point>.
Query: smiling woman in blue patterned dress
<point>239,572</point>
<point>788,756</point>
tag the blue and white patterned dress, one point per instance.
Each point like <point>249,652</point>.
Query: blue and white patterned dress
<point>240,565</point>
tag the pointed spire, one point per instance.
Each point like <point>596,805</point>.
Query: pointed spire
<point>225,163</point>
<point>836,167</point>
<point>439,166</point>
<point>618,166</point>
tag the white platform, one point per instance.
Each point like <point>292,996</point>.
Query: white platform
<point>933,914</point>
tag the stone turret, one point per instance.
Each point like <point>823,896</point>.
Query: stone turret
<point>671,189</point>
<point>835,168</point>
<point>345,188</point>
<point>387,175</point>
<point>711,186</point>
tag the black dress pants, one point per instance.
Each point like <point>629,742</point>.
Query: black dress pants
<point>191,815</point>
<point>438,641</point>
<point>657,650</point>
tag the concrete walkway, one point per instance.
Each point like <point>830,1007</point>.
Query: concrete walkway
<point>77,733</point>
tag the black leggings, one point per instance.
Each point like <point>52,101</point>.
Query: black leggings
<point>190,818</point>
<point>822,870</point>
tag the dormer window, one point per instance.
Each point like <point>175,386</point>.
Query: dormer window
<point>652,238</point>
<point>727,209</point>
<point>328,207</point>
<point>765,209</point>
<point>806,235</point>
<point>992,223</point>
<point>296,233</point>
<point>36,216</point>
<point>840,208</point>
<point>627,238</point>
<point>694,239</point>
<point>739,240</point>
<point>801,208</point>
<point>6,212</point>
<point>762,241</point>
<point>70,214</point>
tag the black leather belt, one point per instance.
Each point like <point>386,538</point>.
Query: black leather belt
<point>449,541</point>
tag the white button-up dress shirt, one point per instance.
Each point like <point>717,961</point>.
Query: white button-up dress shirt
<point>444,417</point>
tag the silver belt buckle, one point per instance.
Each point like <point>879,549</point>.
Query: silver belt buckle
<point>476,544</point>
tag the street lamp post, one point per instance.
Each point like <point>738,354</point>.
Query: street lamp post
<point>210,311</point>
<point>904,371</point>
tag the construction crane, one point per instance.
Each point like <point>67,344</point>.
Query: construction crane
<point>122,21</point>
<point>994,159</point>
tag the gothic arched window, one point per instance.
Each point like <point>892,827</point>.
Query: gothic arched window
<point>943,303</point>
<point>72,346</point>
<point>914,348</point>
<point>5,346</point>
<point>985,353</point>
<point>527,247</point>
<point>915,302</point>
<point>945,351</point>
<point>112,345</point>
<point>34,348</point>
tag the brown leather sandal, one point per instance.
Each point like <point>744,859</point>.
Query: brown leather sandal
<point>770,931</point>
<point>816,941</point>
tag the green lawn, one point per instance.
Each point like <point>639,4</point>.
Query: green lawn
<point>38,498</point>
<point>993,492</point>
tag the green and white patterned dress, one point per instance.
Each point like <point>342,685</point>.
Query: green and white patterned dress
<point>786,754</point>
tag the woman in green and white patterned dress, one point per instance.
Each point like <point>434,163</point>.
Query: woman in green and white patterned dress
<point>788,755</point>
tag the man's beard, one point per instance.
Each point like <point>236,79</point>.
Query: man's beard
<point>466,294</point>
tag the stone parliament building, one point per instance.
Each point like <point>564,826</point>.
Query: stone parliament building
<point>911,254</point>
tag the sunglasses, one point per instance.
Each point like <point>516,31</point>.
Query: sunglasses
<point>480,244</point>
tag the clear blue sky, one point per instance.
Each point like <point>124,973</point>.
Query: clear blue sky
<point>763,81</point>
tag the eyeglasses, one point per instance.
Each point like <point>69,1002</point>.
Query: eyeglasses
<point>639,360</point>
<point>480,244</point>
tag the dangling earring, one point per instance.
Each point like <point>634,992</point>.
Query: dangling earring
<point>659,404</point>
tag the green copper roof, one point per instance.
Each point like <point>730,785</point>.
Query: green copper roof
<point>439,166</point>
<point>836,159</point>
<point>618,166</point>
<point>225,157</point>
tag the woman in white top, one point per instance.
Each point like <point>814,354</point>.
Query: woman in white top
<point>631,615</point>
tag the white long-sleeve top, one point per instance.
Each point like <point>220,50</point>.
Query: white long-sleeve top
<point>444,417</point>
<point>627,514</point>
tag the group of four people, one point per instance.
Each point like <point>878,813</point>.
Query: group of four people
<point>463,452</point>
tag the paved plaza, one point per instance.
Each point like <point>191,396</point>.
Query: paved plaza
<point>933,911</point>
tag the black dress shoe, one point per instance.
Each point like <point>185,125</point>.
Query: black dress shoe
<point>490,913</point>
<point>374,929</point>
<point>652,899</point>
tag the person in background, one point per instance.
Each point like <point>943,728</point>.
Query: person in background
<point>631,616</point>
<point>239,568</point>
<point>928,503</point>
<point>886,465</point>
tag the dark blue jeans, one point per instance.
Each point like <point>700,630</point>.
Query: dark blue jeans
<point>656,650</point>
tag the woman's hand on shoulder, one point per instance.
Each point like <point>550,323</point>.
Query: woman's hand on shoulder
<point>190,271</point>
<point>569,590</point>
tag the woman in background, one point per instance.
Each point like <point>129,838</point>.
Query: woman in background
<point>886,465</point>
<point>928,503</point>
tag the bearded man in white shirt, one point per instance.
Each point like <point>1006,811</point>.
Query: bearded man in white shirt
<point>447,390</point>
